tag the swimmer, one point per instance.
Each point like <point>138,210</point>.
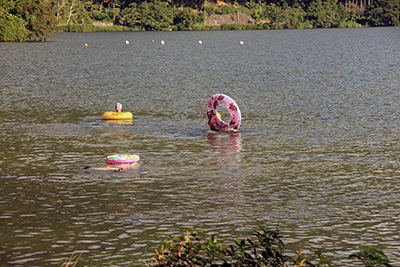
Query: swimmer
<point>118,107</point>
<point>121,169</point>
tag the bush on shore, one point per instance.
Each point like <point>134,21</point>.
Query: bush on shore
<point>264,249</point>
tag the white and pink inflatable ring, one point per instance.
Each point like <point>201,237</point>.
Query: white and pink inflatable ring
<point>215,122</point>
<point>122,158</point>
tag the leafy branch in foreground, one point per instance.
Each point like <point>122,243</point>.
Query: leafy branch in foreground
<point>266,249</point>
<point>188,250</point>
<point>370,256</point>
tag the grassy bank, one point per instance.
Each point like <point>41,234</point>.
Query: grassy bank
<point>93,28</point>
<point>115,28</point>
<point>222,27</point>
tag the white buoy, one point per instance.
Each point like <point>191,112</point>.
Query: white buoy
<point>127,42</point>
<point>241,42</point>
<point>162,42</point>
<point>200,42</point>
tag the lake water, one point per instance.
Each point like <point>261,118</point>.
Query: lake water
<point>317,154</point>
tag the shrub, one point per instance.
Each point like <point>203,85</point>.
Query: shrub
<point>265,249</point>
<point>370,256</point>
<point>188,250</point>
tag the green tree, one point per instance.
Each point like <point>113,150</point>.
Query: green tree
<point>26,19</point>
<point>129,16</point>
<point>155,16</point>
<point>294,17</point>
<point>383,13</point>
<point>323,14</point>
<point>12,27</point>
<point>185,17</point>
<point>98,12</point>
<point>113,9</point>
<point>285,17</point>
<point>276,16</point>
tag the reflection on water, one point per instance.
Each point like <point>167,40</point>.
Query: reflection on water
<point>316,154</point>
<point>224,158</point>
<point>224,149</point>
<point>127,121</point>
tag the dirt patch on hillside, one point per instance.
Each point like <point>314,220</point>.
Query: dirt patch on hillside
<point>235,18</point>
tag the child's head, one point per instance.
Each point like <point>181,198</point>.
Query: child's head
<point>118,107</point>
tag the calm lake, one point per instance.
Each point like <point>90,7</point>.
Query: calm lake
<point>316,156</point>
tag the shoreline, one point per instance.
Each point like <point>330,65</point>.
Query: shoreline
<point>222,27</point>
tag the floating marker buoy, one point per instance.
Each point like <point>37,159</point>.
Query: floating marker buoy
<point>241,42</point>
<point>162,42</point>
<point>85,45</point>
<point>127,42</point>
<point>200,42</point>
<point>152,41</point>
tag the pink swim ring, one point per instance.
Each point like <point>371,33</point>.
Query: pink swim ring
<point>122,158</point>
<point>216,124</point>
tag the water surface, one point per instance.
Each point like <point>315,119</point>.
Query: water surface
<point>316,155</point>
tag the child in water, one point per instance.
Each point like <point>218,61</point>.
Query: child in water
<point>118,107</point>
<point>121,169</point>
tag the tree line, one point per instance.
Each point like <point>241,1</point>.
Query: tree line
<point>22,20</point>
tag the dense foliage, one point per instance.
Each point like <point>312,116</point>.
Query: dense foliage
<point>383,13</point>
<point>26,19</point>
<point>191,14</point>
<point>36,19</point>
<point>264,249</point>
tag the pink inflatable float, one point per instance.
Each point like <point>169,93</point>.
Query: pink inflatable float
<point>122,158</point>
<point>214,121</point>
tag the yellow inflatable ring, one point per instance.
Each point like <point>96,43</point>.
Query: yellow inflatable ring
<point>111,115</point>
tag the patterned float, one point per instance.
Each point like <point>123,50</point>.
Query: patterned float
<point>214,121</point>
<point>122,158</point>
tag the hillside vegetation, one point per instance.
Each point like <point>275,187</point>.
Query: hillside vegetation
<point>22,20</point>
